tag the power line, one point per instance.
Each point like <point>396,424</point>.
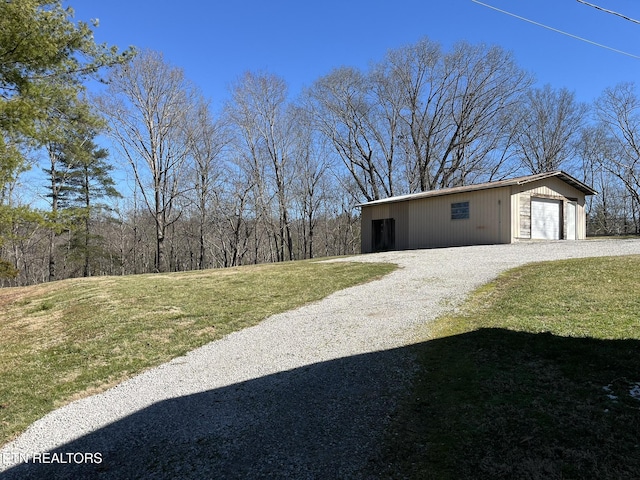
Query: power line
<point>609,11</point>
<point>557,31</point>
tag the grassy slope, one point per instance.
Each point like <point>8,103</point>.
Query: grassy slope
<point>532,380</point>
<point>68,339</point>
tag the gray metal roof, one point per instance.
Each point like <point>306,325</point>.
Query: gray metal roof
<point>574,182</point>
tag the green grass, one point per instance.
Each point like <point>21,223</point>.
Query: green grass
<point>68,339</point>
<point>532,380</point>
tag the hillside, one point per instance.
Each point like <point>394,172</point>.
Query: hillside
<point>65,340</point>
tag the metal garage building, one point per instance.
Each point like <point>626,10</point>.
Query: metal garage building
<point>546,206</point>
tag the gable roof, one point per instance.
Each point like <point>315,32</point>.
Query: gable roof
<point>484,186</point>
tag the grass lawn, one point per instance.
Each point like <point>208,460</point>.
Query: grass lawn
<point>65,340</point>
<point>538,377</point>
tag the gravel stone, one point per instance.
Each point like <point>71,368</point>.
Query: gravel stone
<point>305,394</point>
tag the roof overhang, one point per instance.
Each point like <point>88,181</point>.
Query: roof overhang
<point>574,182</point>
<point>565,177</point>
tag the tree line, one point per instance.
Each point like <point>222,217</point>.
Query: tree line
<point>269,177</point>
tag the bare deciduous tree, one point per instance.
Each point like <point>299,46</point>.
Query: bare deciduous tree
<point>448,115</point>
<point>309,183</point>
<point>550,122</point>
<point>418,75</point>
<point>147,103</point>
<point>345,113</point>
<point>263,122</point>
<point>486,91</point>
<point>618,110</point>
<point>206,139</point>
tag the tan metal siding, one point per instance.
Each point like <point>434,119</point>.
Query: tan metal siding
<point>496,215</point>
<point>397,211</point>
<point>366,236</point>
<point>488,222</point>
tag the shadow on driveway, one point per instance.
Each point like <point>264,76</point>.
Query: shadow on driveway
<point>492,403</point>
<point>319,421</point>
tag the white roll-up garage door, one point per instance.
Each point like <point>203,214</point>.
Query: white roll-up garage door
<point>545,219</point>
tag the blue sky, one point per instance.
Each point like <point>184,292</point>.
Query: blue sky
<point>216,41</point>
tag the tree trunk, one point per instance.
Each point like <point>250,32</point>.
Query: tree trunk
<point>203,221</point>
<point>87,203</point>
<point>160,253</point>
<point>52,259</point>
<point>54,214</point>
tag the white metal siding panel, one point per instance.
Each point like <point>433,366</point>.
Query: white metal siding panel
<point>570,220</point>
<point>545,219</point>
<point>515,217</point>
<point>523,220</point>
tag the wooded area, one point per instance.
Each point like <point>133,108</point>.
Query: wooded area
<point>270,177</point>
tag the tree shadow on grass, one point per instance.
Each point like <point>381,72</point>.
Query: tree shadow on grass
<point>487,404</point>
<point>496,403</point>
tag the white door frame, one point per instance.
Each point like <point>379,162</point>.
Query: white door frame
<point>570,215</point>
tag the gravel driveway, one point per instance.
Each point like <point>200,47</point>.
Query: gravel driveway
<point>304,394</point>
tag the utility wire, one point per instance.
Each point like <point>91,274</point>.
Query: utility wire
<point>609,11</point>
<point>557,31</point>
